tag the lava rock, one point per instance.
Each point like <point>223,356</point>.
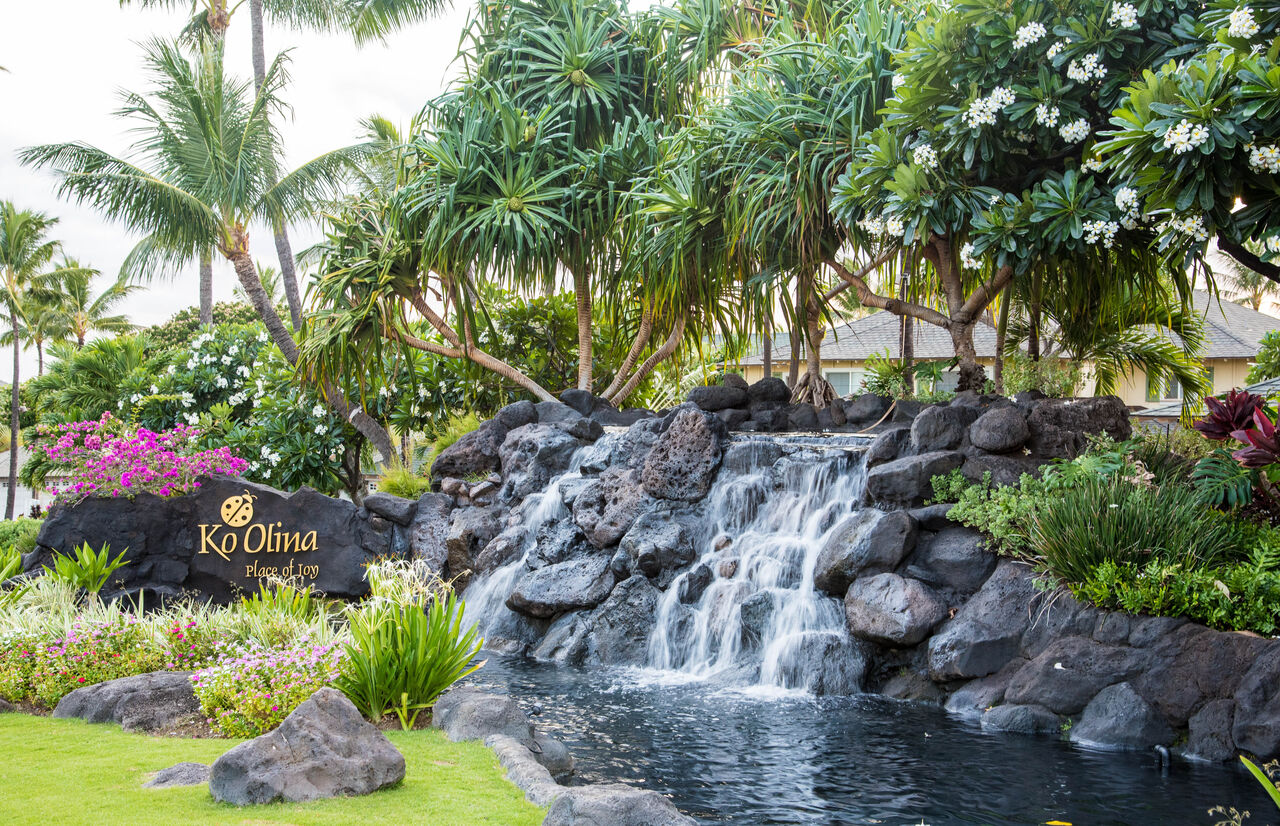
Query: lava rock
<point>517,415</point>
<point>937,428</point>
<point>802,417</point>
<point>867,541</point>
<point>683,464</point>
<point>953,558</point>
<point>1060,427</point>
<point>824,663</point>
<point>613,804</point>
<point>1003,470</point>
<point>977,696</point>
<point>557,541</point>
<point>751,455</point>
<point>887,446</point>
<point>1192,665</point>
<point>1001,430</point>
<point>470,530</point>
<point>323,749</point>
<point>866,409</point>
<point>467,713</point>
<point>656,542</point>
<point>429,532</point>
<point>769,389</point>
<point>503,549</point>
<point>693,584</point>
<point>733,419</point>
<point>1071,672</point>
<point>1209,732</point>
<point>1119,718</point>
<point>903,482</point>
<point>566,586</point>
<point>986,632</point>
<point>395,508</point>
<point>180,774</point>
<point>754,615</point>
<point>1257,719</point>
<point>618,631</point>
<point>1023,719</point>
<point>474,453</point>
<point>831,417</point>
<point>712,397</point>
<point>143,702</point>
<point>606,509</point>
<point>933,517</point>
<point>532,455</point>
<point>580,400</point>
<point>891,610</point>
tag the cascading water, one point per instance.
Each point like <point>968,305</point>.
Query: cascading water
<point>761,621</point>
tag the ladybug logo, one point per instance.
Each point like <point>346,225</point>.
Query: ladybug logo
<point>238,510</point>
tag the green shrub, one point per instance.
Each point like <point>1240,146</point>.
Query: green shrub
<point>402,482</point>
<point>403,656</point>
<point>1004,513</point>
<point>281,597</point>
<point>1055,377</point>
<point>1114,520</point>
<point>88,569</point>
<point>887,377</point>
<point>454,429</point>
<point>18,536</point>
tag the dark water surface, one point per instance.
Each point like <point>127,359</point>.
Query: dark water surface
<point>725,756</point>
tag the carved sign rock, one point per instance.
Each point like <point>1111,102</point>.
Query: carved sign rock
<point>223,540</point>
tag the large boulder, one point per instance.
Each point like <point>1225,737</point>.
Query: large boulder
<point>323,749</point>
<point>429,531</point>
<point>824,663</point>
<point>467,713</point>
<point>1060,427</point>
<point>904,482</point>
<point>618,630</point>
<point>712,398</point>
<point>143,702</point>
<point>1071,672</point>
<point>613,804</point>
<point>503,549</point>
<point>937,428</point>
<point>1022,719</point>
<point>658,542</point>
<point>557,541</point>
<point>891,610</point>
<point>867,408</point>
<point>606,509</point>
<point>474,453</point>
<point>1119,718</point>
<point>867,541</point>
<point>1256,727</point>
<point>1191,665</point>
<point>179,774</point>
<point>566,586</point>
<point>517,414</point>
<point>887,446</point>
<point>954,558</point>
<point>1001,430</point>
<point>1209,732</point>
<point>769,389</point>
<point>986,632</point>
<point>396,508</point>
<point>532,455</point>
<point>470,530</point>
<point>683,464</point>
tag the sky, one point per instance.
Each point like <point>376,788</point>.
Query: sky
<point>67,61</point>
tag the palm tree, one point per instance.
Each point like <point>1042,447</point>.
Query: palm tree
<point>37,326</point>
<point>213,158</point>
<point>25,253</point>
<point>77,312</point>
<point>1253,288</point>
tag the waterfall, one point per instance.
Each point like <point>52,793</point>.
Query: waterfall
<point>765,530</point>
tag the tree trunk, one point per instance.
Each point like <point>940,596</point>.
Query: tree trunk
<point>206,287</point>
<point>663,353</point>
<point>12,493</point>
<point>40,357</point>
<point>582,292</point>
<point>813,353</point>
<point>633,355</point>
<point>768,355</point>
<point>1002,334</point>
<point>797,339</point>
<point>284,251</point>
<point>1033,311</point>
<point>252,286</point>
<point>907,343</point>
<point>972,376</point>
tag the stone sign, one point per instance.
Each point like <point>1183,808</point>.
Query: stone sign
<point>226,538</point>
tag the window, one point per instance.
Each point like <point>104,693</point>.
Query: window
<point>841,381</point>
<point>1165,389</point>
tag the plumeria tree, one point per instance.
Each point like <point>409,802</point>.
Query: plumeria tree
<point>987,162</point>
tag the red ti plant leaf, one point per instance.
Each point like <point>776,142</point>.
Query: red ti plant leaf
<point>1227,417</point>
<point>1262,448</point>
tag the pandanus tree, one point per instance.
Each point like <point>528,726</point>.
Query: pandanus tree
<point>986,159</point>
<point>780,137</point>
<point>366,20</point>
<point>207,166</point>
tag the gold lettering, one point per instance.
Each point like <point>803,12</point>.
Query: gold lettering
<point>289,539</point>
<point>262,538</point>
<point>309,541</point>
<point>207,533</point>
<point>228,540</point>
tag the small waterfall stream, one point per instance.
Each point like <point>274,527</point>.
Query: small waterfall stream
<point>765,530</point>
<point>760,622</point>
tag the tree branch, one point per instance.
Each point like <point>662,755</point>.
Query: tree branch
<point>867,298</point>
<point>985,293</point>
<point>1242,254</point>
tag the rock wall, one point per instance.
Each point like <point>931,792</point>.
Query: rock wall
<point>930,614</point>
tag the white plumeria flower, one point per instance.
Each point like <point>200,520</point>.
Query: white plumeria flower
<point>872,225</point>
<point>1075,131</point>
<point>192,418</point>
<point>1055,50</point>
<point>1192,227</point>
<point>172,369</point>
<point>1241,23</point>
<point>191,364</point>
<point>1264,159</point>
<point>1124,16</point>
<point>320,429</point>
<point>1087,69</point>
<point>422,391</point>
<point>1046,115</point>
<point>227,359</point>
<point>235,349</point>
<point>154,389</point>
<point>983,111</point>
<point>262,337</point>
<point>1101,231</point>
<point>894,227</point>
<point>1273,244</point>
<point>243,370</point>
<point>1029,34</point>
<point>925,156</point>
<point>1128,204</point>
<point>967,259</point>
<point>1185,136</point>
<point>221,381</point>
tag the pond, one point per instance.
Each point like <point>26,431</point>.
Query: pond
<point>769,756</point>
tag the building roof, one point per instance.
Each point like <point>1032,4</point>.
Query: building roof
<point>1232,331</point>
<point>1173,410</point>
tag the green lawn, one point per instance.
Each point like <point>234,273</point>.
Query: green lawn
<point>71,772</point>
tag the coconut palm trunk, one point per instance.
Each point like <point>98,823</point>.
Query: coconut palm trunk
<point>206,287</point>
<point>284,251</point>
<point>12,493</point>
